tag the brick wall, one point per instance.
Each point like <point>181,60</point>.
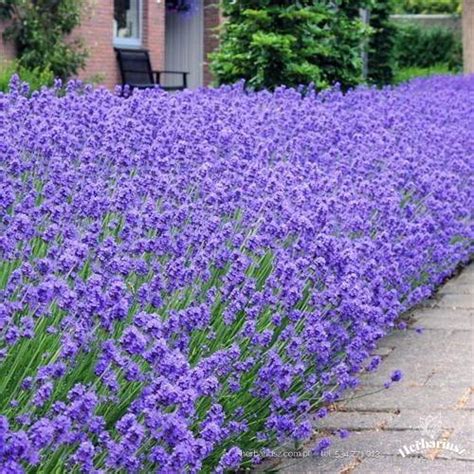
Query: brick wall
<point>97,32</point>
<point>212,20</point>
<point>468,35</point>
<point>154,31</point>
<point>7,48</point>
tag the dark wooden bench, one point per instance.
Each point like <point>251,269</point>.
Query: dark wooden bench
<point>136,71</point>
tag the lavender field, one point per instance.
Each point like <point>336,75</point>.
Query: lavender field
<point>187,277</point>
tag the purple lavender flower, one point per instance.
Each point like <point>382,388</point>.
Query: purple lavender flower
<point>84,456</point>
<point>322,445</point>
<point>396,376</point>
<point>43,394</point>
<point>183,273</point>
<point>232,458</point>
<point>322,412</point>
<point>133,341</point>
<point>343,433</point>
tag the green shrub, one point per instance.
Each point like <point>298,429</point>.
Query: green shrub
<point>428,6</point>
<point>36,78</point>
<point>270,43</point>
<point>427,47</point>
<point>41,31</point>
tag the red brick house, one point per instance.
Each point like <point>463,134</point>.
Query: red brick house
<point>176,40</point>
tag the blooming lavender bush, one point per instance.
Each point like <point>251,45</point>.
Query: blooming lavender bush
<point>186,277</point>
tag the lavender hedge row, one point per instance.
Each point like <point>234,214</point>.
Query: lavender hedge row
<point>188,277</point>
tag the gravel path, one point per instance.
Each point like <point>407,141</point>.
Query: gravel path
<point>425,423</point>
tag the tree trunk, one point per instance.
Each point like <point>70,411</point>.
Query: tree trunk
<point>468,35</point>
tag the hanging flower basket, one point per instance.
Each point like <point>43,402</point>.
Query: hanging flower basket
<point>178,6</point>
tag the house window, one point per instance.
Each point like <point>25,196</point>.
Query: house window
<point>127,23</point>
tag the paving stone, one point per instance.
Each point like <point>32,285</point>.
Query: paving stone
<point>444,318</point>
<point>469,268</point>
<point>413,343</point>
<point>431,402</point>
<point>450,367</point>
<point>470,403</point>
<point>352,421</point>
<point>282,455</point>
<point>463,338</point>
<point>383,351</point>
<point>455,376</point>
<point>371,443</point>
<point>466,426</point>
<point>466,277</point>
<point>313,465</point>
<point>347,452</point>
<point>456,289</point>
<point>456,301</point>
<point>401,465</point>
<point>402,396</point>
<point>464,441</point>
<point>422,357</point>
<point>416,419</point>
<point>415,373</point>
<point>411,338</point>
<point>432,302</point>
<point>414,340</point>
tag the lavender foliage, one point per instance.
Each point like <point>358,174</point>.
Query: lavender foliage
<point>188,277</point>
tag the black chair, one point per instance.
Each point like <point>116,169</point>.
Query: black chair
<point>136,71</point>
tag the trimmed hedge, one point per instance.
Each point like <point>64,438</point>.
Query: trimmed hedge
<point>427,47</point>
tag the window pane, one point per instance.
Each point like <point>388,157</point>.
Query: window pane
<point>127,19</point>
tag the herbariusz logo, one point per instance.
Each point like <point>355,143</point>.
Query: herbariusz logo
<point>431,429</point>
<point>431,426</point>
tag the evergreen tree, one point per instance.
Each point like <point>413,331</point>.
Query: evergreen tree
<point>381,65</point>
<point>273,42</point>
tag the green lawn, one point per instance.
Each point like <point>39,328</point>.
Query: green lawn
<point>405,74</point>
